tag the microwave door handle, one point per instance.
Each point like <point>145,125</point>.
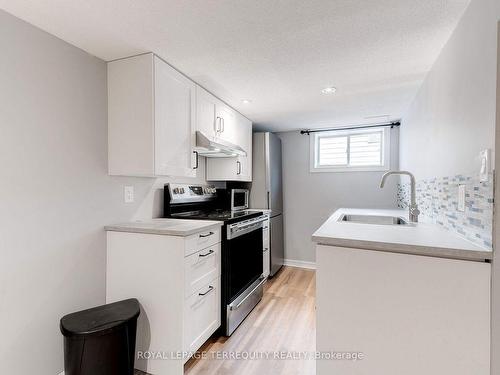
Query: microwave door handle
<point>268,200</point>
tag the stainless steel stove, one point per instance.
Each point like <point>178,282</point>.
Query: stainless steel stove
<point>215,214</point>
<point>242,246</point>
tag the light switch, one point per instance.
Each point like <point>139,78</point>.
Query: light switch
<point>461,198</point>
<point>128,194</point>
<point>484,173</point>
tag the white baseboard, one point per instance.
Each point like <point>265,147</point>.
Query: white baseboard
<point>299,264</point>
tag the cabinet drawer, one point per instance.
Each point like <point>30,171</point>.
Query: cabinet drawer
<point>202,240</point>
<point>202,314</point>
<point>201,268</point>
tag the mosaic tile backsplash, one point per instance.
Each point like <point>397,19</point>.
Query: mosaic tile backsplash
<point>437,201</point>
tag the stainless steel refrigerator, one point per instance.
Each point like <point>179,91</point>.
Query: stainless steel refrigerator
<point>266,191</point>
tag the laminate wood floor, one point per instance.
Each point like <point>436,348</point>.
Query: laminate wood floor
<point>283,322</point>
<point>281,325</point>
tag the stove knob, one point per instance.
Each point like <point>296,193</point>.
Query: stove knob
<point>176,190</point>
<point>182,190</point>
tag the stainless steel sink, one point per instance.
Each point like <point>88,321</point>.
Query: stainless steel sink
<point>374,219</point>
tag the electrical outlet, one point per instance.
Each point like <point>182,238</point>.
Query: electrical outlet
<point>128,194</point>
<point>461,198</point>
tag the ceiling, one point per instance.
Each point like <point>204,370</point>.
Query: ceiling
<point>277,53</point>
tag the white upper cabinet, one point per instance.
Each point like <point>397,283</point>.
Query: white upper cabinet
<point>216,119</point>
<point>237,168</point>
<point>244,136</point>
<point>151,119</point>
<point>226,117</point>
<point>175,103</point>
<point>206,105</point>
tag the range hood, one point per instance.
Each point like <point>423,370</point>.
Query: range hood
<point>216,148</point>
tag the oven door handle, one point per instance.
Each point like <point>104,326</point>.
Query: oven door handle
<point>256,221</point>
<point>239,230</point>
<point>262,279</point>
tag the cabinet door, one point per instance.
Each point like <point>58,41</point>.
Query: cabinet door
<point>228,124</point>
<point>223,169</point>
<point>205,113</point>
<point>408,314</point>
<point>174,122</point>
<point>202,315</point>
<point>244,139</point>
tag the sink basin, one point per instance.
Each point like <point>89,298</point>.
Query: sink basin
<point>374,219</point>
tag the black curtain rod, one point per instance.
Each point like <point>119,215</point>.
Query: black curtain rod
<point>391,124</point>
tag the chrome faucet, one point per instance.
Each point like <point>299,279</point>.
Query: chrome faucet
<point>414,212</point>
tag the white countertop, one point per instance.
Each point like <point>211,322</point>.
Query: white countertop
<point>420,239</point>
<point>168,227</point>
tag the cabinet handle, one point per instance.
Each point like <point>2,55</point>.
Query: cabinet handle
<point>218,126</point>
<point>207,254</point>
<point>210,288</point>
<point>223,124</point>
<point>238,165</point>
<point>206,235</point>
<point>196,165</point>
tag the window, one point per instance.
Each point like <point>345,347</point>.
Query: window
<point>350,150</point>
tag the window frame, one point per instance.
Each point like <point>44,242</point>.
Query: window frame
<point>386,151</point>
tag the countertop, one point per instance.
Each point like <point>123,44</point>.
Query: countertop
<point>167,227</point>
<point>420,239</point>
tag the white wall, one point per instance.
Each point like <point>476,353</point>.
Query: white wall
<point>310,198</point>
<point>453,116</point>
<point>55,193</point>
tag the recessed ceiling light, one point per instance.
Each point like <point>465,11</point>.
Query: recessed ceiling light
<point>246,101</point>
<point>329,90</point>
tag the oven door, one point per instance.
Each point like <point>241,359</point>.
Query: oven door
<point>239,199</point>
<point>243,257</point>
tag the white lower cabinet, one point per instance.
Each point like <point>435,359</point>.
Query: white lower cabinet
<point>407,314</point>
<point>177,282</point>
<point>201,268</point>
<point>202,311</point>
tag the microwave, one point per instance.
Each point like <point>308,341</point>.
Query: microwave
<point>239,199</point>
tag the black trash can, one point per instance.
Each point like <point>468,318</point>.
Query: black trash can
<point>101,340</point>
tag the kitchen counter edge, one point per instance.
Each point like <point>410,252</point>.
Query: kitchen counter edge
<point>142,227</point>
<point>478,254</point>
